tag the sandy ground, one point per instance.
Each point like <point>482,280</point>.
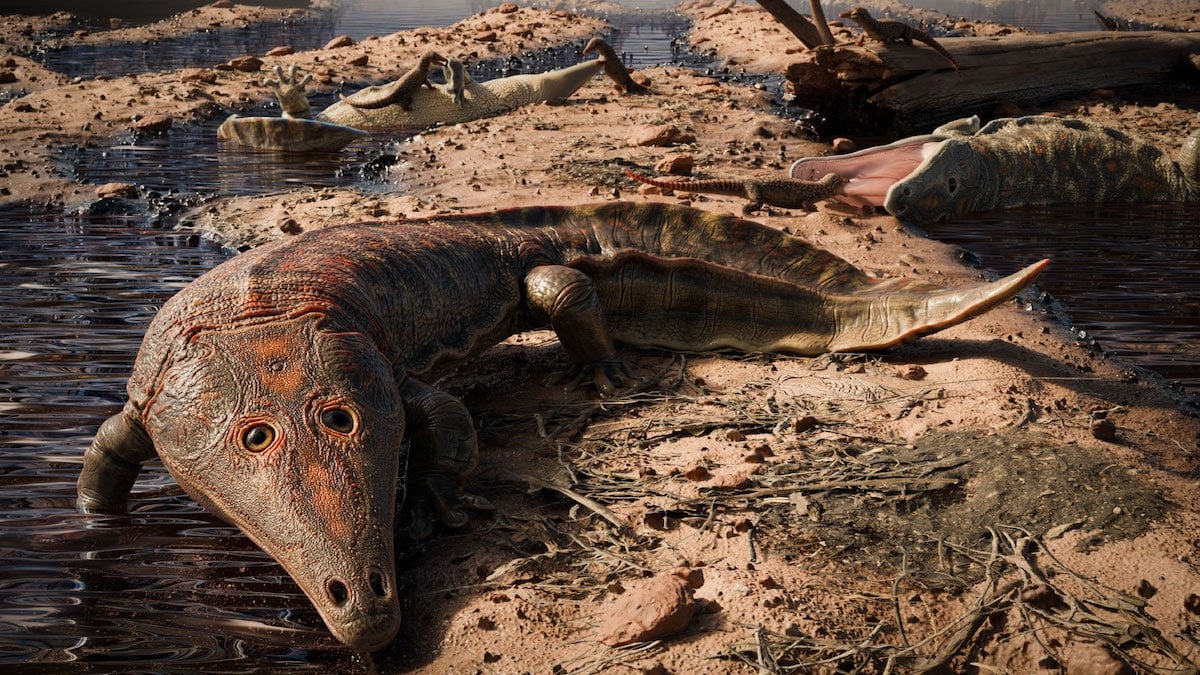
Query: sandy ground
<point>955,501</point>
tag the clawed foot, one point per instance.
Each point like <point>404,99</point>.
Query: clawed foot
<point>290,92</point>
<point>609,375</point>
<point>438,496</point>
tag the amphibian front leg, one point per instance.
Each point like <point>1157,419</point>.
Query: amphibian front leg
<point>444,451</point>
<point>565,298</point>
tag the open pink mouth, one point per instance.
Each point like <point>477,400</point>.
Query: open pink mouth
<point>870,173</point>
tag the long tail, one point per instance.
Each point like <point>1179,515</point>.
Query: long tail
<point>696,305</point>
<point>937,47</point>
<point>715,186</point>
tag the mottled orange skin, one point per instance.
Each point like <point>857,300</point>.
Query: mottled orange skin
<point>277,387</point>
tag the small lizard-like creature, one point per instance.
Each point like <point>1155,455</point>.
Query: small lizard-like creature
<point>890,31</point>
<point>786,193</point>
<point>456,80</point>
<point>399,91</point>
<point>613,67</point>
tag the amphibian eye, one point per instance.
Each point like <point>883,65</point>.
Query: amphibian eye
<point>338,419</point>
<point>952,184</point>
<point>258,437</point>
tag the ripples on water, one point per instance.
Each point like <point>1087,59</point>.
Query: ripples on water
<point>169,587</point>
<point>1126,273</point>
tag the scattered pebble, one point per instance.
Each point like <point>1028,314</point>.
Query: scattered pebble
<point>246,64</point>
<point>339,42</point>
<point>123,190</point>
<point>1104,430</point>
<point>659,136</point>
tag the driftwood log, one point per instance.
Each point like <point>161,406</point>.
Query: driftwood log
<point>901,90</point>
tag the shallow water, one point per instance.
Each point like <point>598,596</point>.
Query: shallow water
<point>169,589</point>
<point>1125,272</point>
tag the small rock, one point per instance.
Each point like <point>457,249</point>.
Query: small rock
<point>698,473</point>
<point>339,41</point>
<point>767,581</point>
<point>507,8</point>
<point>290,226</point>
<point>735,435</point>
<point>358,61</point>
<point>7,76</point>
<point>486,36</point>
<point>1192,603</point>
<point>486,623</point>
<point>843,145</point>
<point>913,372</point>
<point>801,424</point>
<point>20,106</point>
<point>198,75</point>
<point>1146,589</point>
<point>246,64</point>
<point>282,50</point>
<point>1104,430</point>
<point>153,124</point>
<point>658,607</point>
<point>659,136</point>
<point>677,165</point>
<point>125,190</point>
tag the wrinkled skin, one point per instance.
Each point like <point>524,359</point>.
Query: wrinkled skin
<point>278,387</point>
<point>1009,163</point>
<point>308,440</point>
<point>421,107</point>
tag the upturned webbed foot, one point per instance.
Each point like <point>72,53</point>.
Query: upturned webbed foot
<point>290,92</point>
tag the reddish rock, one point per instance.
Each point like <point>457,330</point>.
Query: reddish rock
<point>735,480</point>
<point>653,609</point>
<point>913,372</point>
<point>126,190</point>
<point>7,76</point>
<point>843,145</point>
<point>246,64</point>
<point>507,8</point>
<point>486,36</point>
<point>152,124</point>
<point>198,75</point>
<point>282,50</point>
<point>677,165</point>
<point>339,41</point>
<point>358,61</point>
<point>659,136</point>
<point>698,473</point>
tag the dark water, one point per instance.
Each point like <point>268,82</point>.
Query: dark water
<point>170,588</point>
<point>1128,274</point>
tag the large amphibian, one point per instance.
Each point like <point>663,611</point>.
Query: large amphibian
<point>961,168</point>
<point>276,387</point>
<point>418,107</point>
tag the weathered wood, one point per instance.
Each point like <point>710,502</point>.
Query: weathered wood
<point>913,89</point>
<point>809,35</point>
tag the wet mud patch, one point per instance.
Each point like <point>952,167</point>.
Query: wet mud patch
<point>953,487</point>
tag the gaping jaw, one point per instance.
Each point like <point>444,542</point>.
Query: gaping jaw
<point>869,174</point>
<point>293,434</point>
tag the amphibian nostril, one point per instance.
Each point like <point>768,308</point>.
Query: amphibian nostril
<point>378,585</point>
<point>338,591</point>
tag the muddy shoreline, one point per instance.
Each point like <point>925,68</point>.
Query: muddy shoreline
<point>1012,393</point>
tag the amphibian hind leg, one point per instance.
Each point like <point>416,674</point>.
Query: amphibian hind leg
<point>112,463</point>
<point>566,298</point>
<point>444,451</point>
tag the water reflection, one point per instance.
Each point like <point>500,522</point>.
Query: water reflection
<point>168,588</point>
<point>1126,273</point>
